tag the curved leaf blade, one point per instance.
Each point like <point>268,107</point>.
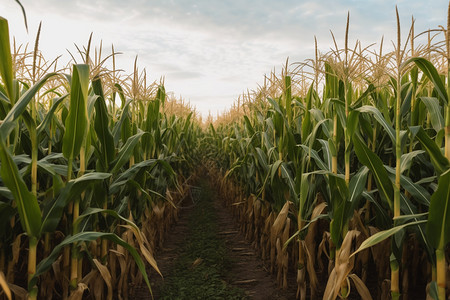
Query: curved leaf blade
<point>27,205</point>
<point>47,262</point>
<point>375,165</point>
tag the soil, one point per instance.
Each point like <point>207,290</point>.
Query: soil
<point>245,270</point>
<point>249,271</point>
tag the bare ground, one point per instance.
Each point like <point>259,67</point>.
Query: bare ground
<point>248,271</point>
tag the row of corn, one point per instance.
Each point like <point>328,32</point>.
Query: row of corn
<point>92,166</point>
<point>340,169</point>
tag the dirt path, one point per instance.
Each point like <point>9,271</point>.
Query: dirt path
<point>206,244</point>
<point>248,271</point>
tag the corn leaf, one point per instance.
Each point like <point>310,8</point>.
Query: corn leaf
<point>438,226</point>
<point>125,152</point>
<point>47,262</point>
<point>439,161</point>
<point>375,165</point>
<point>77,120</point>
<point>357,185</point>
<point>73,189</point>
<point>433,107</point>
<point>5,286</point>
<point>6,69</point>
<point>101,123</point>
<point>380,119</point>
<point>382,235</point>
<point>27,205</point>
<point>20,106</point>
<point>340,206</point>
<point>407,158</point>
<point>50,114</point>
<point>430,71</point>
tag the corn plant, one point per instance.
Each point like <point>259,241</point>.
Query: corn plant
<point>368,155</point>
<point>82,174</point>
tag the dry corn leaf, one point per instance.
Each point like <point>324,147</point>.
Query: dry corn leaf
<point>360,287</point>
<point>78,293</point>
<point>16,248</point>
<point>279,222</point>
<point>4,286</point>
<point>145,252</point>
<point>19,292</point>
<point>318,210</point>
<point>97,287</point>
<point>88,279</point>
<point>123,269</point>
<point>310,267</point>
<point>106,277</point>
<point>342,268</point>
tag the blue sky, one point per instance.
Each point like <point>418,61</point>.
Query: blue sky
<point>211,51</point>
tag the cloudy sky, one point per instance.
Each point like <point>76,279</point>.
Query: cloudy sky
<point>210,51</point>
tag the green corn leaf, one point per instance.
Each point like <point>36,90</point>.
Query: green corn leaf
<point>363,96</point>
<point>47,262</point>
<point>27,205</point>
<point>93,211</point>
<point>380,119</point>
<point>341,207</point>
<point>407,159</point>
<point>77,120</point>
<point>121,94</point>
<point>6,193</point>
<point>73,189</point>
<point>430,71</point>
<point>433,291</point>
<point>287,176</point>
<point>419,193</point>
<point>311,138</point>
<point>125,152</point>
<point>306,121</point>
<point>91,101</point>
<point>101,123</point>
<point>382,235</point>
<point>20,106</point>
<point>249,126</point>
<point>357,185</point>
<point>352,122</point>
<point>384,220</point>
<point>438,226</point>
<point>50,114</point>
<point>121,122</point>
<point>375,165</point>
<point>319,117</point>
<point>273,170</point>
<point>433,107</point>
<point>304,192</point>
<point>326,153</point>
<point>313,154</point>
<point>406,218</point>
<point>411,214</point>
<point>439,161</point>
<point>6,69</point>
<point>262,159</point>
<point>147,165</point>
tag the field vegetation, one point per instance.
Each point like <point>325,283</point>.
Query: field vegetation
<point>338,169</point>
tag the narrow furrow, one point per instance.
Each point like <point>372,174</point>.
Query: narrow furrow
<point>202,265</point>
<point>206,257</point>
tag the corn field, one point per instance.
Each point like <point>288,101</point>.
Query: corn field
<point>337,170</point>
<point>85,181</point>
